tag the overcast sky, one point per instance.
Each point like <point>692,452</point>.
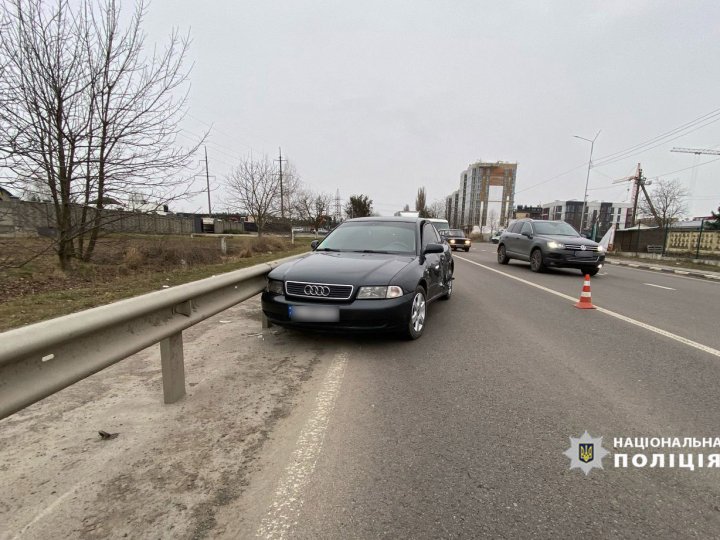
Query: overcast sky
<point>382,97</point>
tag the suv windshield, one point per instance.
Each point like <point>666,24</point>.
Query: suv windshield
<point>557,228</point>
<point>371,236</point>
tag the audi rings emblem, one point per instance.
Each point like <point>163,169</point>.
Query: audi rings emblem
<point>317,290</point>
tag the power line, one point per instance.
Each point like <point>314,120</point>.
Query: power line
<point>673,134</point>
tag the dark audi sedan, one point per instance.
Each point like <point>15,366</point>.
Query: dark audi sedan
<point>367,274</point>
<point>549,243</point>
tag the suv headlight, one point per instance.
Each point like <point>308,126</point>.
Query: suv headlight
<point>601,249</point>
<point>374,293</point>
<point>274,286</point>
<point>552,244</point>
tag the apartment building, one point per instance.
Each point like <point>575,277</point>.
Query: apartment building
<point>600,213</point>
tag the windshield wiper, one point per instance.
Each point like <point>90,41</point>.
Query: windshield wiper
<point>328,249</point>
<point>369,251</point>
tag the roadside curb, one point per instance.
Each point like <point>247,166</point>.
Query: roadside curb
<point>680,271</point>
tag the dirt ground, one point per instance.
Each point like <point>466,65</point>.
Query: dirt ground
<point>170,467</point>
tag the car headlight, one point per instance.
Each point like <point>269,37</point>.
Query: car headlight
<point>374,293</point>
<point>552,244</point>
<point>467,241</point>
<point>601,249</point>
<point>452,241</point>
<point>274,286</point>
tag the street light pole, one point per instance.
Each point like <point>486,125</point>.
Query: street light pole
<point>587,180</point>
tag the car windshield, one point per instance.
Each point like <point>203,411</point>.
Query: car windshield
<point>372,237</point>
<point>556,228</point>
<point>440,224</point>
<point>457,233</point>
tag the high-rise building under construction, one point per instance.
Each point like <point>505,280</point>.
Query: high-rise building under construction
<point>485,197</point>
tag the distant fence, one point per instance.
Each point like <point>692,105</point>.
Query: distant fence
<point>696,243</point>
<point>24,217</point>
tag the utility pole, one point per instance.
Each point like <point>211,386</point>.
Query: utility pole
<point>338,213</point>
<point>587,180</point>
<point>282,194</point>
<point>639,183</point>
<point>207,179</point>
<point>636,192</point>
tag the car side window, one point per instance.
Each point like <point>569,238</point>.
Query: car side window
<point>515,227</point>
<point>429,235</point>
<point>526,228</point>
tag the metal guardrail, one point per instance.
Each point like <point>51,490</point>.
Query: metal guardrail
<point>41,359</point>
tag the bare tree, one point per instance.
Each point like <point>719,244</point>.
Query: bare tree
<point>87,116</point>
<point>254,187</point>
<point>421,203</point>
<point>493,220</point>
<point>314,208</point>
<point>437,209</point>
<point>668,198</point>
<point>292,191</point>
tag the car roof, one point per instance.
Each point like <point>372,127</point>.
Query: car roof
<point>403,219</point>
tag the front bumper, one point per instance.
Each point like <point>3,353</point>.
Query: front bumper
<point>356,315</point>
<point>460,245</point>
<point>572,259</point>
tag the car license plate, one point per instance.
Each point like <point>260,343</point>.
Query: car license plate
<point>584,254</point>
<point>314,313</point>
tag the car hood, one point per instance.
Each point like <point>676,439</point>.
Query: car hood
<point>578,240</point>
<point>343,268</point>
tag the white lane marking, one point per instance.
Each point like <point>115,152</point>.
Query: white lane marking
<point>641,324</point>
<point>47,510</point>
<point>659,286</point>
<point>671,274</point>
<point>288,499</point>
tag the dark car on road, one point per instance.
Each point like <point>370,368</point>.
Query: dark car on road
<point>549,243</point>
<point>367,274</point>
<point>456,239</point>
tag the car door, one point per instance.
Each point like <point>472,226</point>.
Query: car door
<point>434,262</point>
<point>511,238</point>
<point>524,241</point>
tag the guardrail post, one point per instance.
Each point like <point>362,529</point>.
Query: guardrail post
<point>265,322</point>
<point>173,367</point>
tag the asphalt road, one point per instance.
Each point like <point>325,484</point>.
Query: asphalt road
<point>461,434</point>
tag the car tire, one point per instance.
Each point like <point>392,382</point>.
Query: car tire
<point>536,260</point>
<point>502,255</point>
<point>589,271</point>
<point>467,249</point>
<point>418,314</point>
<point>449,292</point>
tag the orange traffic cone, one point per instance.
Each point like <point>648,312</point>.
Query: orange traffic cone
<point>585,301</point>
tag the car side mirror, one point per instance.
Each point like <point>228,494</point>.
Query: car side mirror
<point>433,248</point>
<point>314,244</point>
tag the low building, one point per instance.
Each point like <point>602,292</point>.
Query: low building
<point>532,212</point>
<point>5,195</point>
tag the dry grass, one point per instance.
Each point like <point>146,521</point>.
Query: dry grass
<point>124,266</point>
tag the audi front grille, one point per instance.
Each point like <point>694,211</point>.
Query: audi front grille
<point>318,291</point>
